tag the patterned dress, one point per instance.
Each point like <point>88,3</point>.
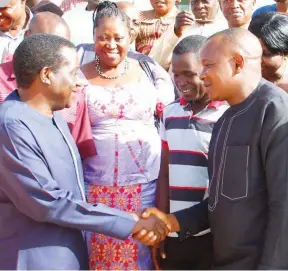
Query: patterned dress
<point>123,174</point>
<point>152,28</point>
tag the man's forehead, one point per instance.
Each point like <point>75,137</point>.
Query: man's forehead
<point>4,3</point>
<point>186,61</point>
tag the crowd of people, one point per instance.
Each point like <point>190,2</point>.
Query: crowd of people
<point>159,142</point>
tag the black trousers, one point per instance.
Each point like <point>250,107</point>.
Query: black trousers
<point>193,253</point>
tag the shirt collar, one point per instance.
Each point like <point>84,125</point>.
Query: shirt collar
<point>213,104</point>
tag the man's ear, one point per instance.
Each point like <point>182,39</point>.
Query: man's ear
<point>239,63</point>
<point>45,75</point>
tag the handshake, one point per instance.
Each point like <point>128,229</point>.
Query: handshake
<point>153,226</point>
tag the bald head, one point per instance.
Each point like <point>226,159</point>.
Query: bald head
<point>237,40</point>
<point>49,23</point>
<point>228,58</point>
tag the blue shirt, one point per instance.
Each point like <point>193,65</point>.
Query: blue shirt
<point>42,200</point>
<point>263,9</point>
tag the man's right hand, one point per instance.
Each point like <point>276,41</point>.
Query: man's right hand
<point>183,20</point>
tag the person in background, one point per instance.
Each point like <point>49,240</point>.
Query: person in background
<point>272,32</point>
<point>43,207</point>
<point>14,21</point>
<point>154,23</point>
<point>247,160</point>
<point>279,6</point>
<point>185,129</point>
<point>238,13</point>
<point>206,20</point>
<point>121,97</point>
<point>43,5</point>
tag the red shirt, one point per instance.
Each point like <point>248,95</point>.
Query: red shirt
<point>76,116</point>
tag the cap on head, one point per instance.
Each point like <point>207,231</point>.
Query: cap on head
<point>4,3</point>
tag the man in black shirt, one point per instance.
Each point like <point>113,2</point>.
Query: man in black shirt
<point>248,195</point>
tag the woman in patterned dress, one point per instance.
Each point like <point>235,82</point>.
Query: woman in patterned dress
<point>154,23</point>
<point>121,100</point>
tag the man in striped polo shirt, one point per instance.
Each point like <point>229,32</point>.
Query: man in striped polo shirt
<point>185,131</point>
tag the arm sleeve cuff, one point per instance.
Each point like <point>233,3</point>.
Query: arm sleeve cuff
<point>123,227</point>
<point>193,220</point>
<point>124,223</point>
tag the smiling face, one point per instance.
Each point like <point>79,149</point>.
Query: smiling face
<point>237,12</point>
<point>186,69</point>
<point>204,9</point>
<point>162,7</point>
<point>217,73</point>
<point>111,41</point>
<point>11,14</point>
<point>64,81</point>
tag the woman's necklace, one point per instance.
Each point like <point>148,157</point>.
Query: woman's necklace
<point>103,75</point>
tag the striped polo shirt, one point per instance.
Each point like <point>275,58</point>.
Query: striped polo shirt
<point>187,136</point>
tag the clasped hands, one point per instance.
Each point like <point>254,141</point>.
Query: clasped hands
<point>153,226</point>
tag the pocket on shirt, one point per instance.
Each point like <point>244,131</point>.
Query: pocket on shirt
<point>235,177</point>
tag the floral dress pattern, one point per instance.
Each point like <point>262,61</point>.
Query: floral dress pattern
<point>123,174</point>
